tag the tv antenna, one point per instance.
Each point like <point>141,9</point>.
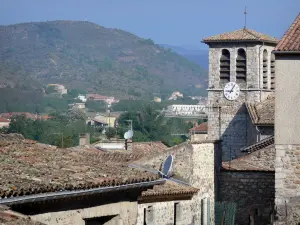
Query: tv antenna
<point>166,172</point>
<point>245,12</point>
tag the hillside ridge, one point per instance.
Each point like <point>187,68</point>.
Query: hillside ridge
<point>85,55</point>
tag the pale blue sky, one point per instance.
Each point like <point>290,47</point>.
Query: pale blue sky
<point>174,22</point>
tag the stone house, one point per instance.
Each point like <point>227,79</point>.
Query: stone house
<point>287,126</point>
<point>199,132</point>
<point>4,122</point>
<point>90,186</point>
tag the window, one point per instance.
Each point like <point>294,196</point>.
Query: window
<point>225,67</point>
<point>241,66</point>
<point>101,220</point>
<point>265,69</point>
<point>205,208</point>
<point>272,71</point>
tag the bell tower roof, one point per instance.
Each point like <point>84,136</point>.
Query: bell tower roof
<point>241,35</point>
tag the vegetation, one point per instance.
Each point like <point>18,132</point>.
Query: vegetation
<point>60,130</point>
<point>83,55</point>
<point>150,125</point>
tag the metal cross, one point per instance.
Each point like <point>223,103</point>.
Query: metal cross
<point>245,12</point>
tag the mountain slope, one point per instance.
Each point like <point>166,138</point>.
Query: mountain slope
<point>85,55</point>
<point>199,56</point>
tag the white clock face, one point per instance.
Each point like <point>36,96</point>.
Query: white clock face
<point>231,91</point>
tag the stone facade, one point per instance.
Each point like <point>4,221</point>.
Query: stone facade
<point>252,191</point>
<point>287,184</point>
<point>196,164</point>
<point>121,213</point>
<point>287,139</point>
<point>227,120</point>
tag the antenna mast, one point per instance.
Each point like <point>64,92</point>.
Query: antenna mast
<point>245,12</point>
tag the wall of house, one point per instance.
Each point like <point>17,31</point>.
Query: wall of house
<point>4,124</point>
<point>195,164</point>
<point>230,123</point>
<point>126,211</point>
<point>251,191</point>
<point>163,213</point>
<point>287,139</point>
<point>198,137</point>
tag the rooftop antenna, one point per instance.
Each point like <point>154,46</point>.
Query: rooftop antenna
<point>166,172</point>
<point>245,12</point>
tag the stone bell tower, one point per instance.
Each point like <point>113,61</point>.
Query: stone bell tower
<point>245,57</point>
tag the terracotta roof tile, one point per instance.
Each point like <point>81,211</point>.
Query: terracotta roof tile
<point>200,128</point>
<point>244,34</point>
<point>8,217</point>
<point>170,189</point>
<point>39,168</point>
<point>260,158</point>
<point>291,39</point>
<point>259,145</point>
<point>262,113</point>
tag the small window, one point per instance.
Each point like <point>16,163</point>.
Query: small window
<point>265,69</point>
<point>241,66</point>
<point>272,71</point>
<point>225,67</point>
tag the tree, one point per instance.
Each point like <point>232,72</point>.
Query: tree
<point>76,114</point>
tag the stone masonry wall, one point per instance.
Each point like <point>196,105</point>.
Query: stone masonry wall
<point>126,211</point>
<point>193,163</point>
<point>233,129</point>
<point>287,185</point>
<point>252,191</point>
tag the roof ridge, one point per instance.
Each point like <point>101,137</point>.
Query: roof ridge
<point>251,32</point>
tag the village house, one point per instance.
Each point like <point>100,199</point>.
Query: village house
<point>198,132</point>
<point>4,122</point>
<point>59,88</point>
<point>90,186</point>
<point>287,126</point>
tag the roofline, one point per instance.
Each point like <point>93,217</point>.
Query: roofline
<point>66,194</point>
<point>234,41</point>
<point>286,52</point>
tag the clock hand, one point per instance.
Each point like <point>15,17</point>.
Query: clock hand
<point>232,88</point>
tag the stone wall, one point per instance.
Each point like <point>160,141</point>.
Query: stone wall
<point>230,123</point>
<point>195,164</point>
<point>287,185</point>
<point>253,192</point>
<point>126,213</point>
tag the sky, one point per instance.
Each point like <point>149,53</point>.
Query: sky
<point>173,22</point>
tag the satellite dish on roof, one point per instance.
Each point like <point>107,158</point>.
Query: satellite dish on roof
<point>166,173</point>
<point>130,133</point>
<point>126,135</point>
<point>167,166</point>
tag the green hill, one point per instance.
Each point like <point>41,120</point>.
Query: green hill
<point>87,56</point>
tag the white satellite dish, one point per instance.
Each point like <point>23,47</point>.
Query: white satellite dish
<point>166,173</point>
<point>130,133</point>
<point>126,135</point>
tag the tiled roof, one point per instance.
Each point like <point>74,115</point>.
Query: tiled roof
<point>8,217</point>
<point>170,189</point>
<point>4,120</point>
<point>28,167</point>
<point>260,158</point>
<point>200,128</point>
<point>244,34</point>
<point>291,39</point>
<point>262,113</point>
<point>259,145</point>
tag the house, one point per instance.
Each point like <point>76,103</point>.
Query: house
<point>97,97</point>
<point>103,120</point>
<point>89,186</point>
<point>287,126</point>
<point>59,88</point>
<point>77,105</point>
<point>175,95</point>
<point>199,132</point>
<point>4,122</point>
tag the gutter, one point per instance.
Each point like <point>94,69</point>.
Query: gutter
<point>287,52</point>
<point>66,194</point>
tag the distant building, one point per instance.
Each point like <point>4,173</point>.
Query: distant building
<point>81,98</point>
<point>4,122</point>
<point>199,132</point>
<point>59,88</point>
<point>157,99</point>
<point>175,95</point>
<point>77,105</point>
<point>103,121</point>
<point>97,97</point>
<point>186,110</point>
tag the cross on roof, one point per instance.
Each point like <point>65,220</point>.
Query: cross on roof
<point>245,12</point>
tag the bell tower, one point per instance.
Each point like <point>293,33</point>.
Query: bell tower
<point>245,58</point>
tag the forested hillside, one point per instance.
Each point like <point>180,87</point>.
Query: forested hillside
<point>87,56</point>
